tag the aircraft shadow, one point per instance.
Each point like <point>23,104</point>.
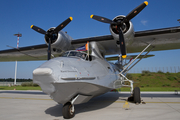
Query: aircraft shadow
<point>103,101</point>
<point>55,111</point>
<point>99,102</point>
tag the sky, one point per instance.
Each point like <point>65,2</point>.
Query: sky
<point>18,15</point>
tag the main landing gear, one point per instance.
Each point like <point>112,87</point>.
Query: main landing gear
<point>135,93</point>
<point>136,96</point>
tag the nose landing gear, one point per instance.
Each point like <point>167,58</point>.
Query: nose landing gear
<point>68,110</point>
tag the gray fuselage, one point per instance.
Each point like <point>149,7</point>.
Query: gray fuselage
<point>63,78</point>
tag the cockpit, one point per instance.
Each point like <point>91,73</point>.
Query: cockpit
<point>77,54</point>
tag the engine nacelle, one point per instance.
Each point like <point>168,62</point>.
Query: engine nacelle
<point>127,29</point>
<point>60,41</point>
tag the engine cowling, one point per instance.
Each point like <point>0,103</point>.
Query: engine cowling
<point>59,41</point>
<point>127,29</point>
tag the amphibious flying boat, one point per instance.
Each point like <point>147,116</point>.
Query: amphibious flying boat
<point>74,77</point>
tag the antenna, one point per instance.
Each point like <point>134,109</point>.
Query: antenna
<point>18,35</point>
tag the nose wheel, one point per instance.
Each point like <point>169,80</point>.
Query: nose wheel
<point>68,111</point>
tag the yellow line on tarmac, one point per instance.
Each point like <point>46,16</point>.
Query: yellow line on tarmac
<point>150,102</point>
<point>97,101</point>
<point>164,102</point>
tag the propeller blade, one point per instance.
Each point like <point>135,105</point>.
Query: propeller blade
<point>37,29</point>
<point>122,43</point>
<point>49,49</point>
<point>51,34</point>
<point>119,24</point>
<point>62,25</point>
<point>134,12</point>
<point>102,19</point>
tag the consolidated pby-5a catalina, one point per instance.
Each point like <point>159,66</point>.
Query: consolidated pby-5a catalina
<point>74,77</point>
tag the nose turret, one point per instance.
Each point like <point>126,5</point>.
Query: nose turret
<point>44,78</point>
<point>53,71</point>
<point>46,75</point>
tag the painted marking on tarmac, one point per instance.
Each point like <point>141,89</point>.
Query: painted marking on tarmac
<point>130,102</point>
<point>24,98</point>
<point>150,102</point>
<point>93,101</point>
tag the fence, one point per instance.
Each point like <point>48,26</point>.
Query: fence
<point>174,69</point>
<point>4,83</point>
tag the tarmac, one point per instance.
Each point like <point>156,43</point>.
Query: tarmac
<point>35,105</point>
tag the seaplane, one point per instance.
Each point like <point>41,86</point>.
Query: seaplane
<point>73,76</point>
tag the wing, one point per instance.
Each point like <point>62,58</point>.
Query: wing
<point>30,53</point>
<point>39,52</point>
<point>162,39</point>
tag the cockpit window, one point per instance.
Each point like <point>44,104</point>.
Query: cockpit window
<point>65,54</point>
<point>72,53</point>
<point>76,54</point>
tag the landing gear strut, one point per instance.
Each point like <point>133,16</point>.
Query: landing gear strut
<point>135,97</point>
<point>68,108</point>
<point>68,111</point>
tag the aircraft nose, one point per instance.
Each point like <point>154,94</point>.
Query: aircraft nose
<point>44,78</point>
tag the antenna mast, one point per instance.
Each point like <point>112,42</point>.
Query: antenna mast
<point>18,35</point>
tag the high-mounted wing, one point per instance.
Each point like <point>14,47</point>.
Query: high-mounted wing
<point>162,39</point>
<point>30,53</point>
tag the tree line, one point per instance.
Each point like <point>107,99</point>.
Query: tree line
<point>17,80</point>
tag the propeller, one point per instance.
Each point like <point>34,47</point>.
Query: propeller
<point>51,34</point>
<point>119,24</point>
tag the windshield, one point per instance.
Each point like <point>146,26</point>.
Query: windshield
<point>75,54</point>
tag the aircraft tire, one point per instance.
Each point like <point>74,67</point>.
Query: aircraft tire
<point>67,111</point>
<point>137,95</point>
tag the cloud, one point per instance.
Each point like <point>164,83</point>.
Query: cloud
<point>144,22</point>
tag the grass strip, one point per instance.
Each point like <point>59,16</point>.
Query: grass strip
<point>19,88</point>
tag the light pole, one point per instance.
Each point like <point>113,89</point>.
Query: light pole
<point>18,35</point>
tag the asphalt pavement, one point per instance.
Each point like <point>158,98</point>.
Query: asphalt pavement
<point>35,105</point>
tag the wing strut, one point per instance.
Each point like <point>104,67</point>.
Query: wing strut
<point>125,69</point>
<point>122,76</point>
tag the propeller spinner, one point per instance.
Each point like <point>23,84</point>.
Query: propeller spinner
<point>119,24</point>
<point>52,34</point>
